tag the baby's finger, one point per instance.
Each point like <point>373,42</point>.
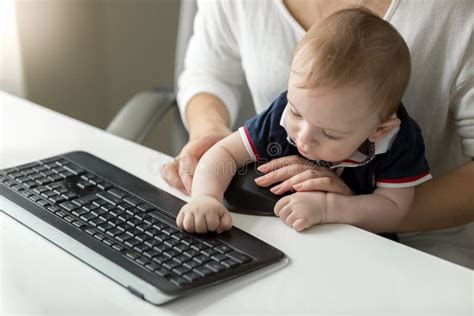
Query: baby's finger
<point>300,225</point>
<point>179,219</point>
<point>200,224</point>
<point>290,219</point>
<point>285,212</point>
<point>212,221</point>
<point>188,222</point>
<point>280,204</point>
<point>225,223</point>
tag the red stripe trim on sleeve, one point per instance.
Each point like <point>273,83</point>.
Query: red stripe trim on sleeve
<point>254,149</point>
<point>403,180</point>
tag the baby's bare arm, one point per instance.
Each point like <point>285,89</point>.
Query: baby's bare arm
<point>206,212</point>
<point>381,211</point>
<point>217,167</point>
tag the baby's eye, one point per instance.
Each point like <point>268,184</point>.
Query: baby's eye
<point>295,113</point>
<point>330,136</point>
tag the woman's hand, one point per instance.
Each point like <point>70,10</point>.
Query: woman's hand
<point>204,214</point>
<point>301,210</point>
<point>179,172</point>
<point>298,174</point>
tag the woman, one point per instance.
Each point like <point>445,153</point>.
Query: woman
<point>254,40</point>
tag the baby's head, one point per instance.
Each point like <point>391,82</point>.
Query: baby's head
<point>347,78</point>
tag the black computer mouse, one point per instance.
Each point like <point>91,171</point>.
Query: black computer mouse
<point>244,196</point>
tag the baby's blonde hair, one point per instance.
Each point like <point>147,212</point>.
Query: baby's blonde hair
<point>355,45</point>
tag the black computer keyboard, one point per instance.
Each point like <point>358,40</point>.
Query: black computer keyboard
<point>130,222</point>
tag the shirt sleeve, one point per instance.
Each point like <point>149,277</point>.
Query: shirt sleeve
<point>212,63</point>
<point>406,165</point>
<point>263,136</point>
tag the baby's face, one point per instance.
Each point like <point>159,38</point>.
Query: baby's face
<point>328,123</point>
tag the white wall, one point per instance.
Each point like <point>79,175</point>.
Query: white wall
<point>86,58</point>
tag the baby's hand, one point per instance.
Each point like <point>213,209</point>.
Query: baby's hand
<point>204,214</point>
<point>301,210</point>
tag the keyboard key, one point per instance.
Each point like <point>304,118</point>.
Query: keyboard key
<point>132,200</point>
<point>162,272</point>
<point>74,169</point>
<point>69,206</point>
<point>84,184</point>
<point>27,193</point>
<point>57,199</point>
<point>223,248</point>
<point>201,259</point>
<point>152,266</point>
<point>181,259</point>
<point>118,193</point>
<point>170,265</point>
<point>132,254</point>
<point>181,270</point>
<point>161,259</point>
<point>215,266</point>
<point>219,257</point>
<point>119,247</point>
<point>191,276</point>
<point>191,264</point>
<point>203,271</point>
<point>123,237</point>
<point>239,257</point>
<point>143,261</point>
<point>109,198</point>
<point>151,253</point>
<point>178,281</point>
<point>79,224</point>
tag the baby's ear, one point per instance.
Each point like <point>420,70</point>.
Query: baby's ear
<point>384,128</point>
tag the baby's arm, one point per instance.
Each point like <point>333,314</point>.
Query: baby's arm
<point>212,176</point>
<point>381,211</point>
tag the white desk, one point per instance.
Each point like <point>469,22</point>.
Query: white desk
<point>333,268</point>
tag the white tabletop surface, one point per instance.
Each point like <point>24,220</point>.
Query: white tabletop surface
<point>332,269</point>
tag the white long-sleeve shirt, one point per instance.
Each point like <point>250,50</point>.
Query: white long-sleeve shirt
<point>255,39</point>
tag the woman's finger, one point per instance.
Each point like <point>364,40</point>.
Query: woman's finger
<point>187,165</point>
<point>288,185</point>
<point>281,162</point>
<point>280,175</point>
<point>170,174</point>
<point>326,184</point>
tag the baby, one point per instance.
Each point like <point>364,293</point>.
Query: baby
<point>342,112</point>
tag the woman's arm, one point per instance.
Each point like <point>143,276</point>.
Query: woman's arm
<point>442,202</point>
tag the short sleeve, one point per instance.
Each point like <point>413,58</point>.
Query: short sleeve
<point>212,63</point>
<point>263,136</point>
<point>405,165</point>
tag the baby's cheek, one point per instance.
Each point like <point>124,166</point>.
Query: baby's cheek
<point>339,152</point>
